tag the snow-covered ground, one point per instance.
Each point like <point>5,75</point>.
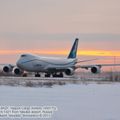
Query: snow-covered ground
<point>74,102</point>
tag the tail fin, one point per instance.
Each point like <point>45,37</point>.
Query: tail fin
<point>73,51</point>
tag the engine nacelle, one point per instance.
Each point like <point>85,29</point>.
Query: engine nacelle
<point>7,69</point>
<point>17,71</point>
<point>69,71</point>
<point>95,69</point>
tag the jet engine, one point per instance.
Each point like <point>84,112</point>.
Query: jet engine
<point>17,71</point>
<point>7,68</point>
<point>69,71</point>
<point>95,69</point>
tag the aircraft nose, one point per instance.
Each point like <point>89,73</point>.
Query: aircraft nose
<point>18,63</point>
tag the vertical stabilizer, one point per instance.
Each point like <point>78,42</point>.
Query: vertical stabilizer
<point>73,51</point>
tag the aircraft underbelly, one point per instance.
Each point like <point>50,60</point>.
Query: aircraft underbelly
<point>46,66</point>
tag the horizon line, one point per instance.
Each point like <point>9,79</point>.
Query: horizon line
<point>59,52</point>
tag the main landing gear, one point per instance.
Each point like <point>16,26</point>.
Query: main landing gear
<point>58,75</point>
<point>53,75</point>
<point>47,75</point>
<point>37,75</point>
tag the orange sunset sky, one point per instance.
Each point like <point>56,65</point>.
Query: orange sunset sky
<point>49,27</point>
<point>60,52</point>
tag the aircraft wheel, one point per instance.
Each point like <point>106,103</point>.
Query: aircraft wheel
<point>54,75</point>
<point>24,75</point>
<point>37,75</point>
<point>47,75</point>
<point>58,75</point>
<point>61,75</point>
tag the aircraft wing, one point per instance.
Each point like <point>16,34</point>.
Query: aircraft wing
<point>99,65</point>
<point>11,65</point>
<point>79,61</point>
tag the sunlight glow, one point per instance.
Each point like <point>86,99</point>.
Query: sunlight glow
<point>80,52</point>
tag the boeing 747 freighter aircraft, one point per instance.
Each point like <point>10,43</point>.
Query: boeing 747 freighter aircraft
<point>50,65</point>
<point>53,66</point>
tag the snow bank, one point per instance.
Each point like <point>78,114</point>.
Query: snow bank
<point>74,102</point>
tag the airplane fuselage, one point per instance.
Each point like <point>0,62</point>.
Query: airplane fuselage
<point>33,63</point>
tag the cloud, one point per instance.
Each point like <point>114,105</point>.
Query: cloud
<point>61,41</point>
<point>64,16</point>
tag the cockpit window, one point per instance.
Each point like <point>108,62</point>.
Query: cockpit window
<point>23,55</point>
